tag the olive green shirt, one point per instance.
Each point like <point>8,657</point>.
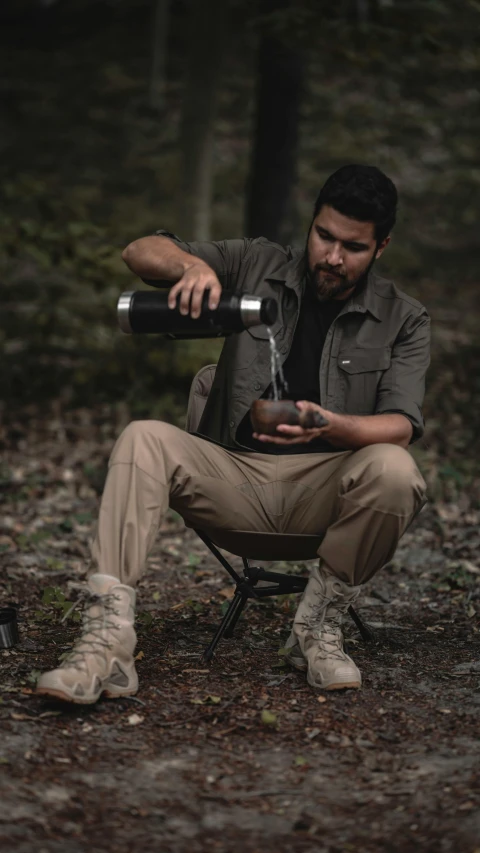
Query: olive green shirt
<point>375,355</point>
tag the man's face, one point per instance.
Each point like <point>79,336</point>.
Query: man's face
<point>340,250</point>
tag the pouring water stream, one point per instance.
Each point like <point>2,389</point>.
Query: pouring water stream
<point>280,387</point>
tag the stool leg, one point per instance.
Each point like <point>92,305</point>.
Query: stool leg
<point>236,603</point>
<point>235,617</point>
<point>365,632</point>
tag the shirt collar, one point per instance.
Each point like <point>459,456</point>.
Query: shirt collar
<point>363,300</point>
<point>291,273</point>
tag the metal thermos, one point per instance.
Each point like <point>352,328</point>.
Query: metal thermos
<point>146,311</point>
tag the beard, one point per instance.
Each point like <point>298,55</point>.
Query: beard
<point>327,284</point>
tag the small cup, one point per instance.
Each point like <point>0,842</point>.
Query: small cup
<point>8,627</point>
<point>267,415</point>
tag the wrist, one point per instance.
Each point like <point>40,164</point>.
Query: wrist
<point>331,428</point>
<point>189,263</point>
<point>336,431</point>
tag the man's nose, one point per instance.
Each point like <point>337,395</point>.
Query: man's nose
<point>334,255</point>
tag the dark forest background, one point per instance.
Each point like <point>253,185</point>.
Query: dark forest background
<point>219,119</point>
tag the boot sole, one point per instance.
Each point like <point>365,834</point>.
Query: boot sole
<point>302,666</point>
<point>77,700</point>
<point>64,697</point>
<point>108,694</point>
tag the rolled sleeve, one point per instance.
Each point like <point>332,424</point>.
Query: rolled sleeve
<point>225,257</point>
<point>402,387</point>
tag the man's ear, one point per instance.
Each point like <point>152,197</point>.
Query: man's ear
<point>383,245</point>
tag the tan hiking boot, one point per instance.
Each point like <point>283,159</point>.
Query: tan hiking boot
<point>101,660</point>
<point>316,641</point>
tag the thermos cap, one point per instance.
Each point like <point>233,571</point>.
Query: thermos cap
<point>257,311</point>
<point>123,311</point>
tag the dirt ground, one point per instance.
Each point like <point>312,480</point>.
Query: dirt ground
<point>240,755</point>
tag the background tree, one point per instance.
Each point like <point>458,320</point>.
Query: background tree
<point>159,53</point>
<point>270,207</point>
<point>205,51</point>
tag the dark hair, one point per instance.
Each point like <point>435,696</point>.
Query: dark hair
<point>363,193</point>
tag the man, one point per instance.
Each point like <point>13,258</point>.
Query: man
<point>354,348</point>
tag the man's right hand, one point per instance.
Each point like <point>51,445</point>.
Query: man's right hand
<point>159,258</point>
<point>197,278</point>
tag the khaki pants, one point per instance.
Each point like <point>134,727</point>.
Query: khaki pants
<point>363,500</point>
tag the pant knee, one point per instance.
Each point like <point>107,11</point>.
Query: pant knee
<point>389,472</point>
<point>142,437</point>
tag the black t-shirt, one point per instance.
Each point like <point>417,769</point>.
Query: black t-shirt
<point>301,371</point>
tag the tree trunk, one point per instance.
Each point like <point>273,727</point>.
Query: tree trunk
<point>270,206</point>
<point>159,54</point>
<point>208,32</point>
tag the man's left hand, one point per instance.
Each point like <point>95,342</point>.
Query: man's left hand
<point>297,434</point>
<point>346,432</point>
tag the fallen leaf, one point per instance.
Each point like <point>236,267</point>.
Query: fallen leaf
<point>268,718</point>
<point>321,699</point>
<point>311,733</point>
<point>471,611</point>
<point>135,719</point>
<point>214,699</point>
<point>140,656</point>
<point>226,592</point>
<point>470,567</point>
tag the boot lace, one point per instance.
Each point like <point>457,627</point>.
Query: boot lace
<point>330,643</point>
<point>329,610</point>
<point>92,638</point>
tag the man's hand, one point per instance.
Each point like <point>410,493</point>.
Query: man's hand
<point>297,434</point>
<point>197,278</point>
<point>346,432</point>
<point>161,259</point>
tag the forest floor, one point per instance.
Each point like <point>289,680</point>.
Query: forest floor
<point>240,755</point>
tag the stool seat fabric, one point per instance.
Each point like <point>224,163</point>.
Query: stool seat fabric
<point>266,546</point>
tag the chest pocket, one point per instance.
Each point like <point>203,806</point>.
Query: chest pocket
<point>360,371</point>
<point>251,346</point>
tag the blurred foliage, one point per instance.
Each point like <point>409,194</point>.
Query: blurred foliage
<point>87,165</point>
<point>59,334</point>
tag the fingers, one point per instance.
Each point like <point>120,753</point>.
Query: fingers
<point>273,439</point>
<point>290,429</point>
<point>293,435</point>
<point>191,287</point>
